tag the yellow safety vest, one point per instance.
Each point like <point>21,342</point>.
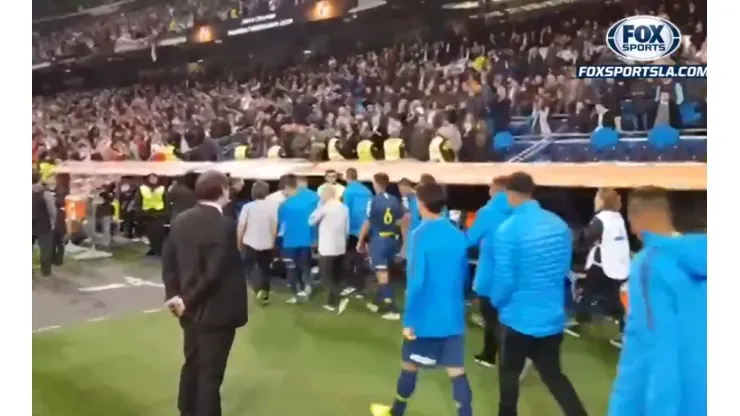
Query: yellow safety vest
<point>434,154</point>
<point>152,200</point>
<point>274,152</point>
<point>116,210</point>
<point>331,150</point>
<point>438,148</point>
<point>47,170</point>
<point>169,153</point>
<point>392,148</point>
<point>241,152</point>
<point>364,151</point>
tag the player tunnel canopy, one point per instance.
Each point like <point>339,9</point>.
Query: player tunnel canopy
<point>676,176</point>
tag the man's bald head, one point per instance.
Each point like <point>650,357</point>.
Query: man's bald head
<point>211,186</point>
<point>328,193</point>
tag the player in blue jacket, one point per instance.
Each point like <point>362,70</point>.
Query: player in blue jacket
<point>663,365</point>
<point>384,216</point>
<point>356,197</point>
<point>298,236</point>
<point>434,319</point>
<point>532,253</point>
<point>481,235</point>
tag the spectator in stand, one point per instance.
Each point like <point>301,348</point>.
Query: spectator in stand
<point>415,90</point>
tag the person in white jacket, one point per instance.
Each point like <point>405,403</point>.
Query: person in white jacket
<point>332,218</point>
<point>608,262</point>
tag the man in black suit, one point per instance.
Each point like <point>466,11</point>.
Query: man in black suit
<point>206,289</point>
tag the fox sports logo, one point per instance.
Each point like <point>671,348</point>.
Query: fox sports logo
<point>643,38</point>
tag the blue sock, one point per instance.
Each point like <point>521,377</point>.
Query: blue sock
<point>386,293</point>
<point>462,395</point>
<point>404,389</point>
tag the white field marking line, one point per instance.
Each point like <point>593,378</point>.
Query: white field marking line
<point>91,320</point>
<point>135,281</point>
<point>130,281</point>
<point>98,319</point>
<point>46,328</point>
<point>102,288</point>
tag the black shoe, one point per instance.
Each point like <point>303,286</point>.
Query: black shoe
<point>483,361</point>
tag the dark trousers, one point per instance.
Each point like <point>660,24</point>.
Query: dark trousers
<point>490,330</point>
<point>599,290</point>
<point>154,228</point>
<point>130,227</point>
<point>545,354</point>
<point>330,268</point>
<point>57,251</point>
<point>354,264</point>
<point>206,353</point>
<point>46,250</point>
<point>258,267</point>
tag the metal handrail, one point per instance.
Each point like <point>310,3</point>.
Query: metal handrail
<point>682,133</point>
<point>549,116</point>
<point>631,140</point>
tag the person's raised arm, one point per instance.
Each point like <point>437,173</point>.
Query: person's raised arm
<point>480,225</point>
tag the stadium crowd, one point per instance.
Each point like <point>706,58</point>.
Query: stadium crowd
<point>466,92</point>
<point>466,88</point>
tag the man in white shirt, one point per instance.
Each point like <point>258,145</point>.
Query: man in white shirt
<point>332,218</point>
<point>256,234</point>
<point>331,182</point>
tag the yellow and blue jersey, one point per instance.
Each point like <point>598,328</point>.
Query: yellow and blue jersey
<point>383,212</point>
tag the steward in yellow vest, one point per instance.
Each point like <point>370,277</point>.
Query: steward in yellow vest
<point>394,148</point>
<point>47,170</point>
<point>332,150</point>
<point>241,152</point>
<point>440,151</point>
<point>367,151</point>
<point>153,213</point>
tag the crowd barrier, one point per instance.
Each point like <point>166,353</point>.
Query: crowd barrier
<point>676,176</point>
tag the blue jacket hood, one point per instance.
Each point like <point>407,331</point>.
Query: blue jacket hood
<point>689,250</point>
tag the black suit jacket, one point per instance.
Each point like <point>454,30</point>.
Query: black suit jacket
<point>202,264</point>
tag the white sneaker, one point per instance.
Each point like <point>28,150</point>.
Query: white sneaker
<point>391,316</point>
<point>292,301</point>
<point>302,295</point>
<point>342,306</point>
<point>330,308</point>
<point>307,291</point>
<point>348,291</point>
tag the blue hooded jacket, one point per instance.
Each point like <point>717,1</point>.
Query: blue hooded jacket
<point>533,250</point>
<point>436,274</point>
<point>663,365</point>
<point>482,233</point>
<point>356,197</point>
<point>293,216</point>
